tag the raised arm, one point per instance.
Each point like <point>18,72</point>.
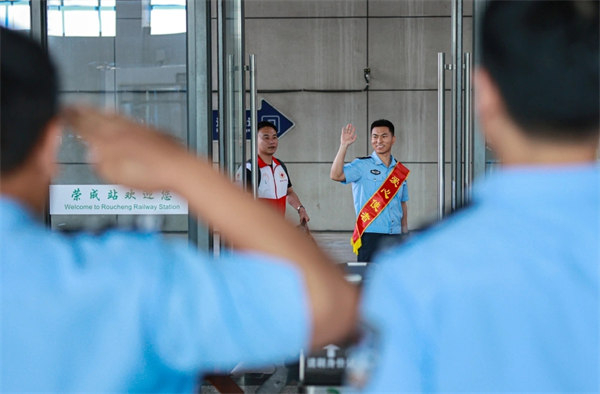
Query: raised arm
<point>148,160</point>
<point>346,139</point>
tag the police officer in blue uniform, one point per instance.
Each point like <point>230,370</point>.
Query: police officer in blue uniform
<point>504,296</point>
<point>367,175</point>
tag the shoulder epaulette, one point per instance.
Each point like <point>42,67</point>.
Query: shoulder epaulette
<point>364,157</point>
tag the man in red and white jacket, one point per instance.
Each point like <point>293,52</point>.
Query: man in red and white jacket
<point>274,185</point>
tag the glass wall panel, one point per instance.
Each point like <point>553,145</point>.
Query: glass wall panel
<point>167,16</point>
<point>82,18</point>
<point>15,14</point>
<point>108,57</point>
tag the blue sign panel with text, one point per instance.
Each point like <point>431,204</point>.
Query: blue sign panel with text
<point>266,113</point>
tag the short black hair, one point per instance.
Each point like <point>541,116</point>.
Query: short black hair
<point>28,97</point>
<point>383,123</point>
<point>544,58</point>
<point>264,123</point>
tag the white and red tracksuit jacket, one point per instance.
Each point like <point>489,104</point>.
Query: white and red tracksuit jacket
<point>273,182</point>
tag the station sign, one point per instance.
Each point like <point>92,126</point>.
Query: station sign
<point>113,200</point>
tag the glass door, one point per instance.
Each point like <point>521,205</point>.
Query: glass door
<point>231,88</point>
<point>133,57</point>
<point>231,114</point>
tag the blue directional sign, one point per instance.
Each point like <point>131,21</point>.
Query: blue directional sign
<point>266,112</point>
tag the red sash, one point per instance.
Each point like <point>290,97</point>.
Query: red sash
<point>377,203</point>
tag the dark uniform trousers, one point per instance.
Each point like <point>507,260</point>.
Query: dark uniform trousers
<point>372,243</point>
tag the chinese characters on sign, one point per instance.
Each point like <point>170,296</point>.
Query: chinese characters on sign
<point>113,200</point>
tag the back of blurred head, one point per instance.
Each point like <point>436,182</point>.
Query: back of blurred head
<point>28,96</point>
<point>542,58</point>
<point>28,109</point>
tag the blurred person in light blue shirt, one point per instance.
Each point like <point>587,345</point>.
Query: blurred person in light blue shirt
<point>131,312</point>
<point>504,295</point>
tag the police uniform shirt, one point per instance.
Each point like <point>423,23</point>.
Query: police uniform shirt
<point>131,312</point>
<point>501,297</point>
<point>367,174</point>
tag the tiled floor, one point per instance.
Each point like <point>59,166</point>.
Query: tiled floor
<point>337,244</point>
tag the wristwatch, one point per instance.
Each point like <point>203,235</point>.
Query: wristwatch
<point>298,209</point>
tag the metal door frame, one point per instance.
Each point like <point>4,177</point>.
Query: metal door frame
<point>467,144</point>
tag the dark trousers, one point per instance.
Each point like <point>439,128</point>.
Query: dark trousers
<point>374,242</point>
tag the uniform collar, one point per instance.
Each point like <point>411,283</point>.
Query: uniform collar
<point>379,162</point>
<point>261,162</point>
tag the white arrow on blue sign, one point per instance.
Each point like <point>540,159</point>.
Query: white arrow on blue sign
<point>266,113</point>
